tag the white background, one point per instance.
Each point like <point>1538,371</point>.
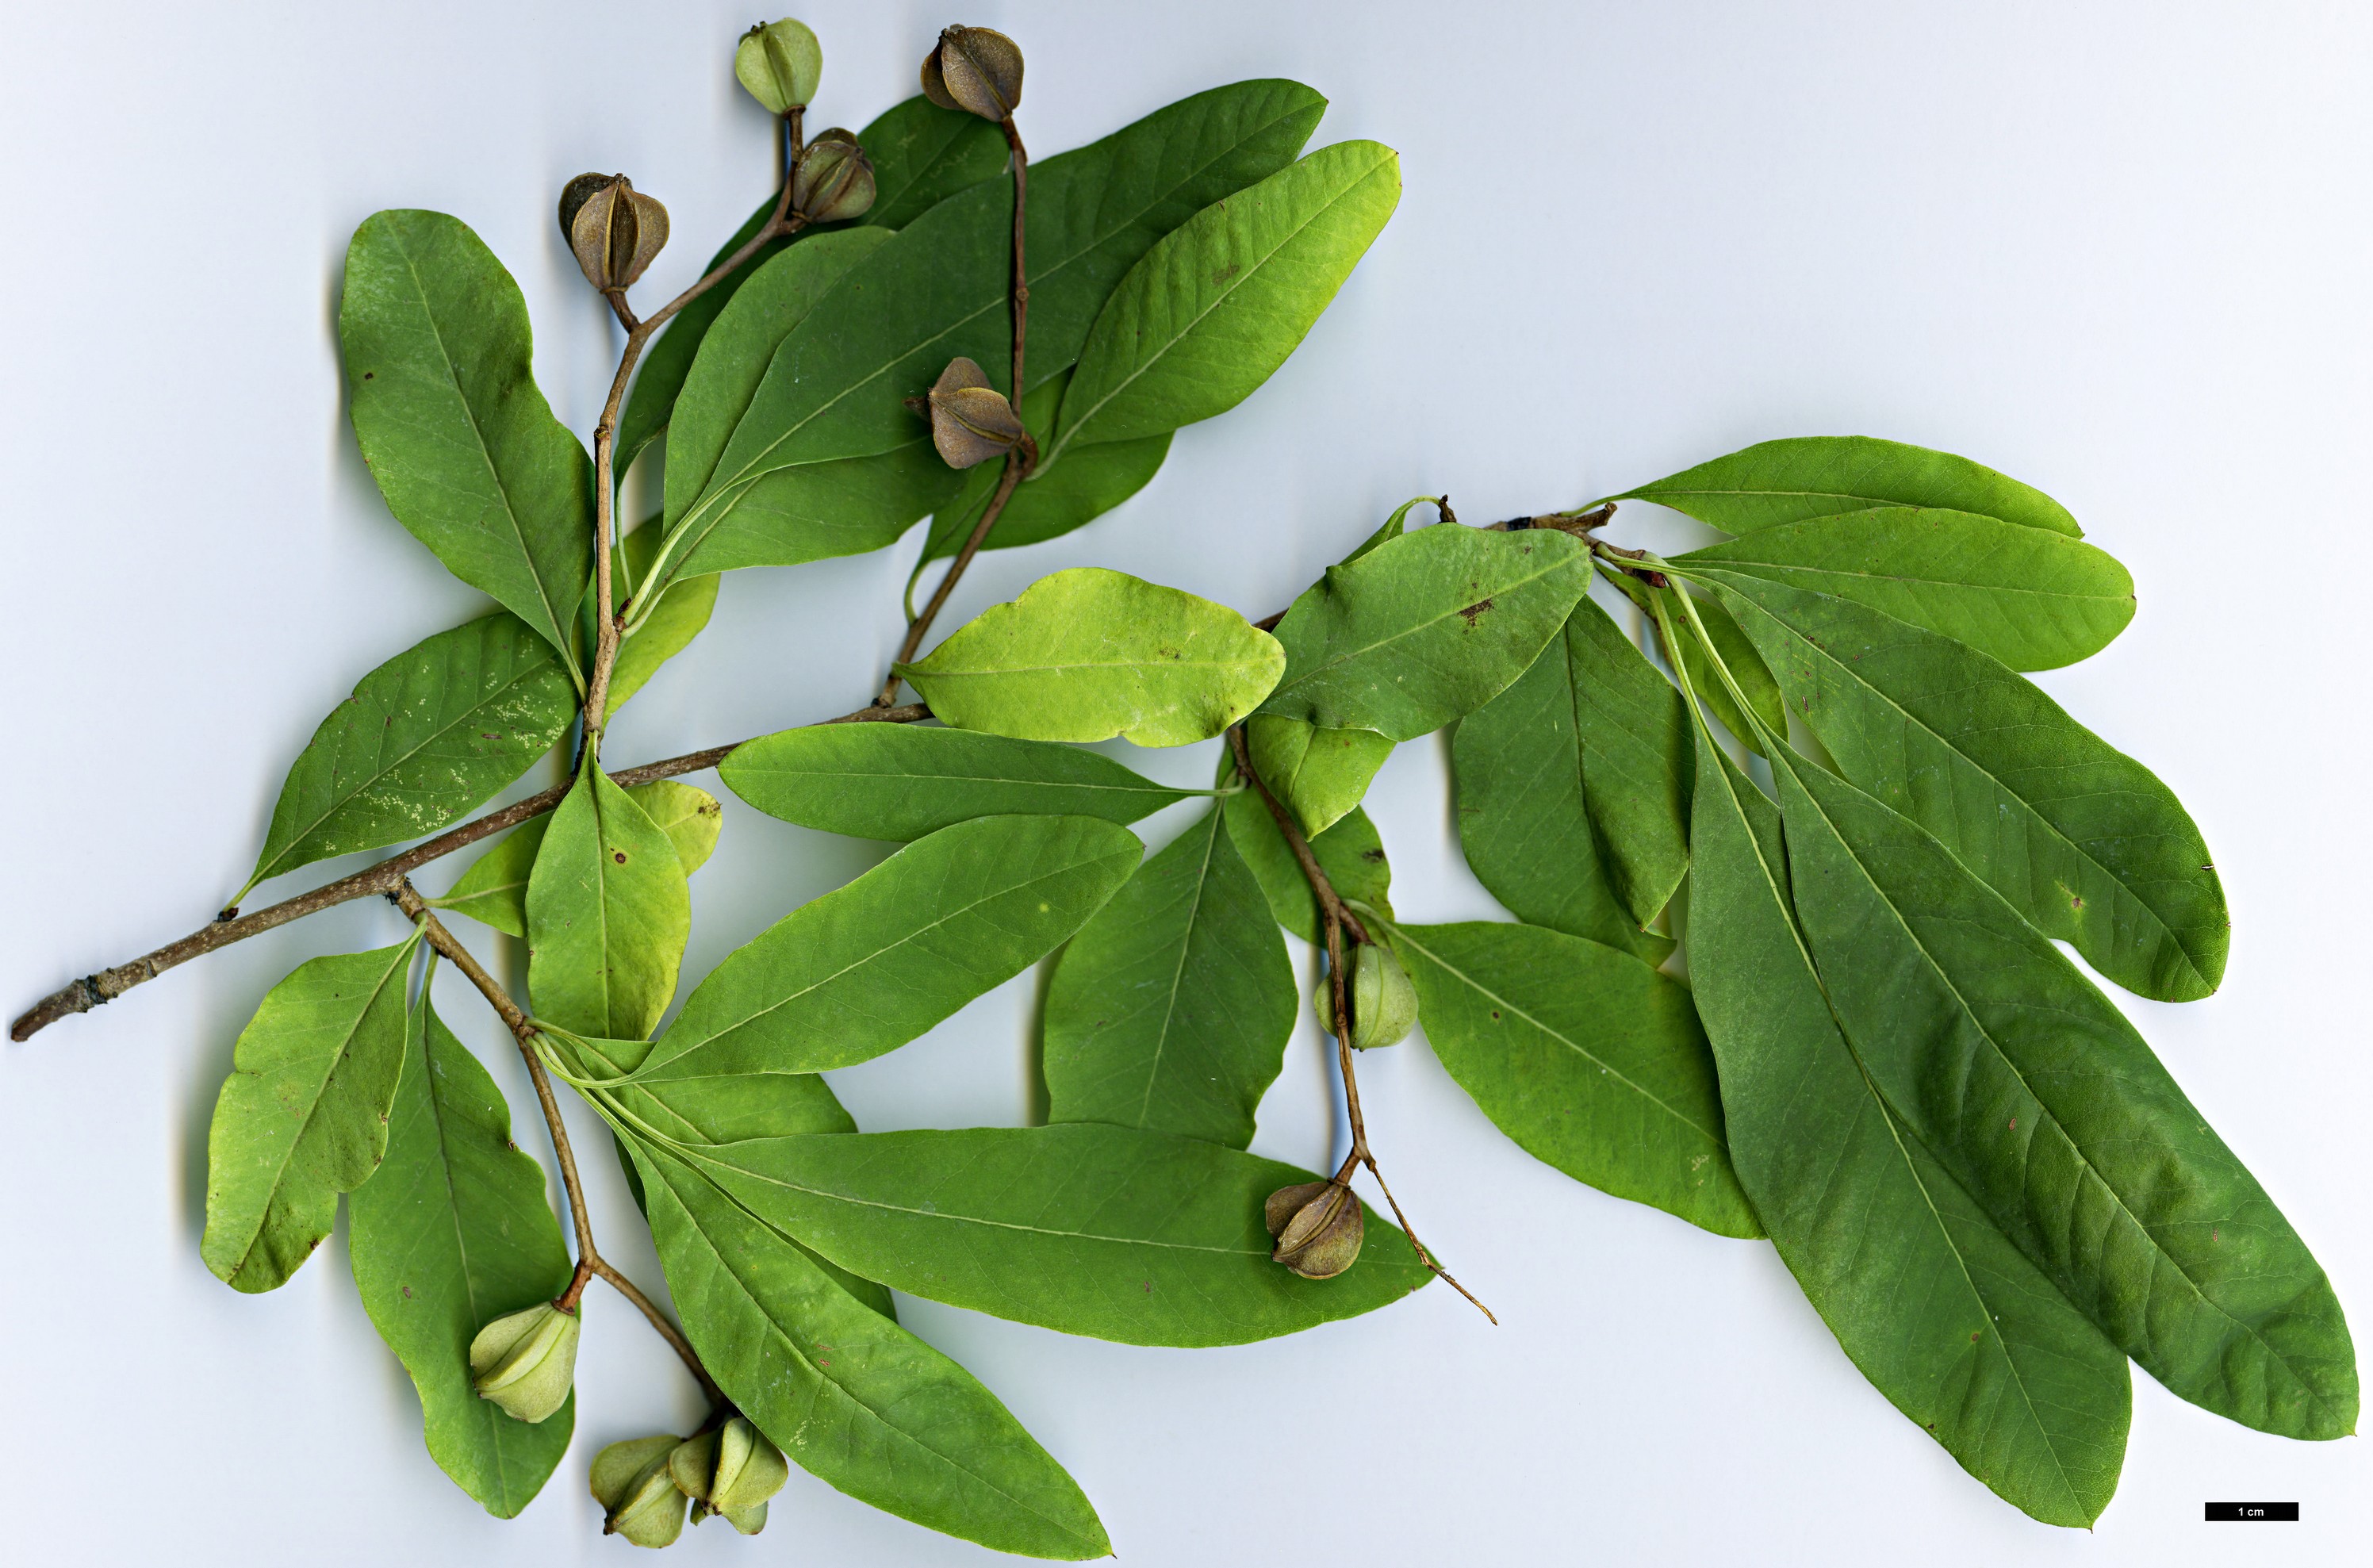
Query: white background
<point>2120,250</point>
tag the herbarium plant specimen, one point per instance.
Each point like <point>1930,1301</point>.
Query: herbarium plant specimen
<point>1815,773</point>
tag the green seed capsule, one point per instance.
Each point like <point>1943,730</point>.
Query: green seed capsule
<point>780,64</point>
<point>638,1495</point>
<point>526,1362</point>
<point>833,182</point>
<point>1384,1002</point>
<point>731,1471</point>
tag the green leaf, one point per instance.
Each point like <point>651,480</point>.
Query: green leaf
<point>869,967</point>
<point>1112,1232</point>
<point>607,915</point>
<point>727,1110</point>
<point>451,1234</point>
<point>1350,853</point>
<point>1087,654</point>
<point>494,889</point>
<point>1049,502</point>
<point>1738,655</point>
<point>1943,1314</point>
<point>1572,789</point>
<point>1171,1008</point>
<point>921,155</point>
<point>902,781</point>
<point>445,405</point>
<point>833,389</point>
<point>847,1395</point>
<point>2032,599</point>
<point>1217,304</point>
<point>303,1115</point>
<point>680,614</point>
<point>718,396</point>
<point>1318,775</point>
<point>1788,481</point>
<point>2082,840</point>
<point>2050,1112</point>
<point>1424,628</point>
<point>432,733</point>
<point>1586,1056</point>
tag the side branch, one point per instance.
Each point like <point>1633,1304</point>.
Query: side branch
<point>82,995</point>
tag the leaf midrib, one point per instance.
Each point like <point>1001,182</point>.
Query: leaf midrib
<point>1337,661</point>
<point>1244,276</point>
<point>1178,971</point>
<point>2033,813</point>
<point>2084,1158</point>
<point>1606,1068</point>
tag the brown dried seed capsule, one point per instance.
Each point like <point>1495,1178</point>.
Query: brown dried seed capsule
<point>614,232</point>
<point>832,180</point>
<point>971,421</point>
<point>1319,1226</point>
<point>975,69</point>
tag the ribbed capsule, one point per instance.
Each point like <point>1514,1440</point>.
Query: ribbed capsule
<point>1319,1226</point>
<point>525,1362</point>
<point>1383,1001</point>
<point>833,182</point>
<point>975,69</point>
<point>638,1495</point>
<point>613,230</point>
<point>732,1472</point>
<point>780,64</point>
<point>971,421</point>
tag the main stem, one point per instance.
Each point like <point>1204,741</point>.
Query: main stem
<point>1018,462</point>
<point>1337,918</point>
<point>590,1261</point>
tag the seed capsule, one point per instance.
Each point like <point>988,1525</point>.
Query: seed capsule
<point>613,230</point>
<point>1384,1002</point>
<point>780,62</point>
<point>732,1472</point>
<point>832,180</point>
<point>971,421</point>
<point>526,1362</point>
<point>1319,1226</point>
<point>639,1498</point>
<point>975,69</point>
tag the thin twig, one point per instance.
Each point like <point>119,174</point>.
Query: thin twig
<point>1019,462</point>
<point>590,1261</point>
<point>91,991</point>
<point>1337,916</point>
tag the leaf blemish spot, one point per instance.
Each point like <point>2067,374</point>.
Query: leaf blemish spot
<point>619,856</point>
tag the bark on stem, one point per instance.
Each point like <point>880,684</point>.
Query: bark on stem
<point>82,995</point>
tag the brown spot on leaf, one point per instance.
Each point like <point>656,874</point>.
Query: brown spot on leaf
<point>1226,272</point>
<point>1475,611</point>
<point>619,856</point>
<point>1373,856</point>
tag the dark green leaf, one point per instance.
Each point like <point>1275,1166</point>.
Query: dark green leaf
<point>1049,502</point>
<point>303,1115</point>
<point>847,1395</point>
<point>869,967</point>
<point>1318,775</point>
<point>902,781</point>
<point>2052,1114</point>
<point>921,153</point>
<point>1572,789</point>
<point>1788,481</point>
<point>1087,654</point>
<point>1350,853</point>
<point>1589,1059</point>
<point>1424,628</point>
<point>445,405</point>
<point>1171,1008</point>
<point>1936,1306</point>
<point>1217,304</point>
<point>451,1234</point>
<point>833,389</point>
<point>2033,599</point>
<point>607,915</point>
<point>1112,1232</point>
<point>427,735</point>
<point>2082,840</point>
